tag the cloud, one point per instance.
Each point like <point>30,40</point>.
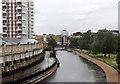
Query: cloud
<point>51,16</point>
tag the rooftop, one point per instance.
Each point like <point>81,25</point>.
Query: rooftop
<point>16,41</point>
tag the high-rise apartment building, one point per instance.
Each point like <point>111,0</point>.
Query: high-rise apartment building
<point>18,18</point>
<point>119,16</point>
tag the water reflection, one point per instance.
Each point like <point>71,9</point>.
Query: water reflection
<point>98,72</point>
<point>76,69</point>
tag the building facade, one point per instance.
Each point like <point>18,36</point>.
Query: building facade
<point>60,39</point>
<point>77,35</point>
<point>64,32</point>
<point>18,19</point>
<point>19,53</point>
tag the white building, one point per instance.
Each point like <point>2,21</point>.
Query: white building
<point>65,33</point>
<point>18,18</point>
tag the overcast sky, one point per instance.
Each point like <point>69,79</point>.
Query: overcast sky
<point>52,16</point>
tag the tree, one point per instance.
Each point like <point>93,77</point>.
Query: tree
<point>74,43</point>
<point>52,43</point>
<point>118,50</point>
<point>86,40</point>
<point>118,59</point>
<point>95,47</point>
<point>109,44</point>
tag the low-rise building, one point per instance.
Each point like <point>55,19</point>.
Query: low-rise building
<point>19,53</point>
<point>77,35</point>
<point>60,39</point>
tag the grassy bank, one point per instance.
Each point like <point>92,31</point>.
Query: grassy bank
<point>110,61</point>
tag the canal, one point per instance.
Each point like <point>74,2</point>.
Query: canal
<point>74,68</point>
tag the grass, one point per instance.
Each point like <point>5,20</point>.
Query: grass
<point>81,51</point>
<point>110,61</point>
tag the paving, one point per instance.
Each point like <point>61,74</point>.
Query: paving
<point>112,74</point>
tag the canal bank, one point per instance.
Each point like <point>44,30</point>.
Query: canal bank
<point>49,71</point>
<point>29,74</point>
<point>112,75</point>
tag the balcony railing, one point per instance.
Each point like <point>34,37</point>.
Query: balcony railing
<point>19,29</point>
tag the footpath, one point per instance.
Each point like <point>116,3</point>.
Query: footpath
<point>112,74</point>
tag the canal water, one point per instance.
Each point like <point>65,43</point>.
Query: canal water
<point>74,68</point>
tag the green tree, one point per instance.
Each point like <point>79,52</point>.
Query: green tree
<point>118,50</point>
<point>52,43</point>
<point>118,59</point>
<point>95,47</point>
<point>74,43</point>
<point>86,40</point>
<point>109,44</point>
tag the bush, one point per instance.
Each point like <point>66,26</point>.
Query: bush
<point>118,59</point>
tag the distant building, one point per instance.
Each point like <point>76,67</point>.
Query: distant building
<point>39,38</point>
<point>65,33</point>
<point>115,32</point>
<point>60,39</point>
<point>18,18</point>
<point>77,35</point>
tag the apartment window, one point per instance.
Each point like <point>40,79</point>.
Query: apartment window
<point>4,7</point>
<point>19,10</point>
<point>19,24</point>
<point>4,21</point>
<point>19,17</point>
<point>4,14</point>
<point>4,35</point>
<point>19,31</point>
<point>4,28</point>
<point>19,3</point>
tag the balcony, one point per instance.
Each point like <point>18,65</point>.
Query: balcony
<point>24,33</point>
<point>4,18</point>
<point>32,18</point>
<point>19,29</point>
<point>4,26</point>
<point>23,12</point>
<point>19,22</point>
<point>4,11</point>
<point>4,32</point>
<point>19,37</point>
<point>18,8</point>
<point>18,15</point>
<point>3,4</point>
<point>23,5</point>
<point>32,3</point>
<point>24,19</point>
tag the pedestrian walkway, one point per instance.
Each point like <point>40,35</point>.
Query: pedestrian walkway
<point>39,67</point>
<point>111,73</point>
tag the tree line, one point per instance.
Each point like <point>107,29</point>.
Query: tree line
<point>103,41</point>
